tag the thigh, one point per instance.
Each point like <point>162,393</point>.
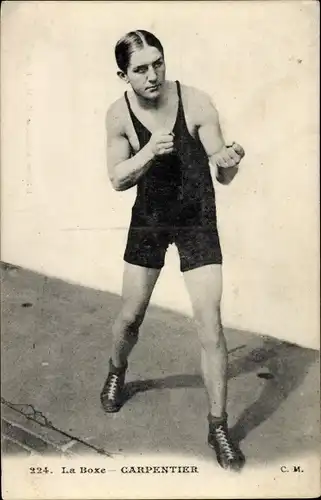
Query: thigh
<point>138,286</point>
<point>198,247</point>
<point>204,285</point>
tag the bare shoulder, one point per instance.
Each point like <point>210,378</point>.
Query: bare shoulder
<point>195,97</point>
<point>116,116</point>
<point>198,103</point>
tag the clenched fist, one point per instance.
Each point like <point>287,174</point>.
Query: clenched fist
<point>229,156</point>
<point>161,143</point>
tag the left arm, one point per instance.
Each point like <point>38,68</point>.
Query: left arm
<point>224,158</point>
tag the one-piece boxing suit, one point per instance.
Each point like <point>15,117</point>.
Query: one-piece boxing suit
<point>175,203</point>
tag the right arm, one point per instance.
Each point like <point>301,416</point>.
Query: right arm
<point>125,171</point>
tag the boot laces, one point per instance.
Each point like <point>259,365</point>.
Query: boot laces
<point>112,386</point>
<point>224,443</point>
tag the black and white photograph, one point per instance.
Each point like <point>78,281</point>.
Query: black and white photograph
<point>160,332</point>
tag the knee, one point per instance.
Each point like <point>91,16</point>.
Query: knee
<point>209,319</point>
<point>209,328</point>
<point>130,320</point>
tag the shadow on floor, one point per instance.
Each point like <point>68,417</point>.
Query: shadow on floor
<point>287,364</point>
<point>283,366</point>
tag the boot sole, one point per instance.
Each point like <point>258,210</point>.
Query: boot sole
<point>113,409</point>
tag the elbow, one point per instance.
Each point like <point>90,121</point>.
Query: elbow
<point>117,184</point>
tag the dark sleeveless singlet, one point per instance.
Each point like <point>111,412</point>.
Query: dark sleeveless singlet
<point>175,202</point>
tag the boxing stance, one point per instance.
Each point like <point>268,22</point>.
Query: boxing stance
<point>162,137</point>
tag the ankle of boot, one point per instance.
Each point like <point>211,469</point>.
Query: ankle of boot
<point>215,421</point>
<point>117,370</point>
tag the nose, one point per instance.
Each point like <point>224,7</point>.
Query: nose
<point>152,77</point>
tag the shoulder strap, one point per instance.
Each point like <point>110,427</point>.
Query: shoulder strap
<point>139,127</point>
<point>143,135</point>
<point>129,107</point>
<point>178,85</point>
<point>181,114</point>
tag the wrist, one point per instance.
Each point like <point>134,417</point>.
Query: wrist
<point>148,153</point>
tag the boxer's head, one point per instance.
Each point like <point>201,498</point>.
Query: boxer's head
<point>140,59</point>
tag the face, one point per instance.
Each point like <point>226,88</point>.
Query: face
<point>146,72</point>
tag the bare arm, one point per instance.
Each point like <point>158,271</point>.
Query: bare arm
<point>224,158</point>
<point>124,171</point>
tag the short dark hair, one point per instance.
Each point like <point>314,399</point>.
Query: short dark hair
<point>132,40</point>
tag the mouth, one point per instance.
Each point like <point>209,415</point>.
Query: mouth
<point>153,88</point>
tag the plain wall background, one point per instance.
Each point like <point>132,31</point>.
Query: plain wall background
<point>258,61</point>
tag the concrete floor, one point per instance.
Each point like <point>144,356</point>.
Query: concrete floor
<point>56,338</point>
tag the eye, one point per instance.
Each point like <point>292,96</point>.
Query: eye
<point>157,64</point>
<point>141,69</point>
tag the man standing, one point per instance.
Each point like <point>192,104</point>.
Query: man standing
<point>162,137</point>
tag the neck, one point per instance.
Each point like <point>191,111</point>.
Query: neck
<point>153,103</point>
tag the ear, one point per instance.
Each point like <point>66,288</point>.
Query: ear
<point>123,76</point>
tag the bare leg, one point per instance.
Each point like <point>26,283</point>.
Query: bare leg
<point>204,285</point>
<point>138,285</point>
<point>205,288</point>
